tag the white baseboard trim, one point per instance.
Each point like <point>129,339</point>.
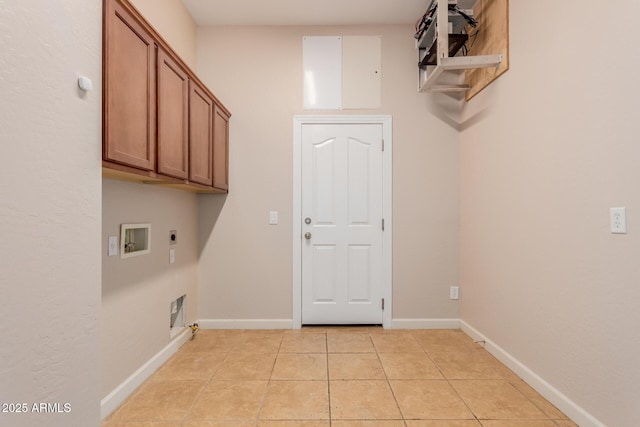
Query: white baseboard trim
<point>553,395</point>
<point>245,323</point>
<point>288,323</point>
<point>114,399</point>
<point>425,324</point>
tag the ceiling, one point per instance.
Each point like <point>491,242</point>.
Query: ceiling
<point>305,12</point>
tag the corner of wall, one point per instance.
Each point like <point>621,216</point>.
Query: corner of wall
<point>552,394</point>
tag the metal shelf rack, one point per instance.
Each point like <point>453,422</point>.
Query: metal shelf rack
<point>442,73</point>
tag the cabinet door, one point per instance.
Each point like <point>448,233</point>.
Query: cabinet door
<point>129,91</point>
<point>200,135</point>
<point>220,149</point>
<point>173,109</point>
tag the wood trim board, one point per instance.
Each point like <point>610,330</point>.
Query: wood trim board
<point>492,39</point>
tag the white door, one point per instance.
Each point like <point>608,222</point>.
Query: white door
<point>342,211</point>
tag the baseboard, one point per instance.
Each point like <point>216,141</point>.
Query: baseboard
<point>425,324</point>
<point>114,399</point>
<point>245,323</point>
<point>553,395</point>
<point>288,323</point>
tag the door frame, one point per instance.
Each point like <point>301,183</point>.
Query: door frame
<point>387,206</point>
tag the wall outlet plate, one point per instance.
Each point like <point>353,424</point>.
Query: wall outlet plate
<point>454,292</point>
<point>619,220</point>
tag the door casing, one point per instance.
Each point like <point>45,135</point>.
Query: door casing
<point>387,190</point>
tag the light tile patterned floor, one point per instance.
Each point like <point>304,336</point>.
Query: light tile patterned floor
<point>337,376</point>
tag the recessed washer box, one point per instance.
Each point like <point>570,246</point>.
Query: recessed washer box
<point>135,239</point>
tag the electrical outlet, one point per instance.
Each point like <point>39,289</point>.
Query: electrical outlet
<point>454,292</point>
<point>618,220</point>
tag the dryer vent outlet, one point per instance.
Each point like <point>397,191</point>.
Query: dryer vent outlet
<point>177,315</point>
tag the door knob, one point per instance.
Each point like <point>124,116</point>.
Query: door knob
<point>307,235</point>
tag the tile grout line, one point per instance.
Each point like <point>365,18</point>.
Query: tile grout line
<point>326,349</point>
<point>404,419</point>
<point>264,397</point>
<point>449,383</point>
<point>184,417</point>
<point>464,402</point>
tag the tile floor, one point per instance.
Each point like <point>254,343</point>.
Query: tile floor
<point>337,376</point>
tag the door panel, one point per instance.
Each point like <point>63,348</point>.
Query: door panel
<point>342,197</point>
<point>220,149</point>
<point>324,193</point>
<point>324,274</point>
<point>173,109</point>
<point>130,91</point>
<point>200,136</point>
<point>359,186</point>
<point>359,267</point>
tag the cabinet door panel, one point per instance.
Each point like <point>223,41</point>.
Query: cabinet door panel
<point>200,136</point>
<point>130,91</point>
<point>220,149</point>
<point>173,132</point>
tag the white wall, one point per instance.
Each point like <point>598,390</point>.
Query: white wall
<point>137,292</point>
<point>50,145</point>
<point>245,264</point>
<point>172,20</point>
<point>549,148</point>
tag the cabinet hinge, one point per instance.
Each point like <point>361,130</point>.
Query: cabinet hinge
<point>383,303</point>
<point>382,224</point>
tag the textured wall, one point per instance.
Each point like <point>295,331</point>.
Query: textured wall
<point>50,144</point>
<point>245,264</point>
<point>552,145</point>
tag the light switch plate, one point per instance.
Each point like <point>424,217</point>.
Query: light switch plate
<point>172,256</point>
<point>113,245</point>
<point>273,217</point>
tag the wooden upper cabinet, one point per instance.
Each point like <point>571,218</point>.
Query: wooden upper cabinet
<point>220,149</point>
<point>129,90</point>
<point>200,135</point>
<point>160,122</point>
<point>173,118</point>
